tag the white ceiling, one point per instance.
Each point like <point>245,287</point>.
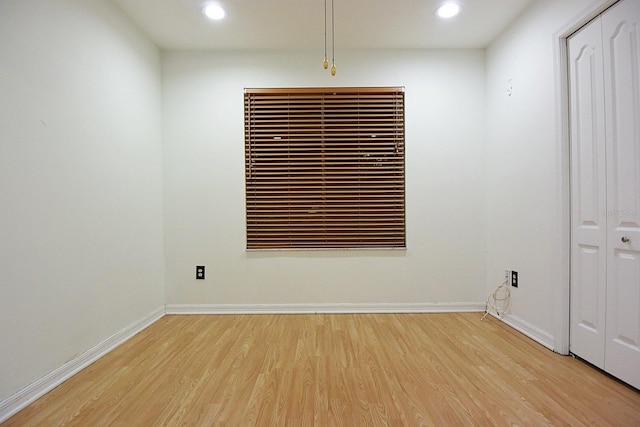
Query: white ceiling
<point>299,24</point>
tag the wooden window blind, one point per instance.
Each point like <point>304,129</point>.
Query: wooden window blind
<point>325,168</point>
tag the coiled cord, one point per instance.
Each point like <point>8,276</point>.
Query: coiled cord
<point>499,300</point>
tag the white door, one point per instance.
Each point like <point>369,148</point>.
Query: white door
<point>604,68</point>
<point>588,196</point>
<point>621,48</point>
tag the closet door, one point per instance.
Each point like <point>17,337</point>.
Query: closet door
<point>621,49</point>
<point>588,195</point>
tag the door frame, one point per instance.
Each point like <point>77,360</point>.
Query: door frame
<point>563,151</point>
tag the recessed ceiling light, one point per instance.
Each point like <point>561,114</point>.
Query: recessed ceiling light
<point>214,11</point>
<point>448,10</point>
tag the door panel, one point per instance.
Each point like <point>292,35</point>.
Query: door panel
<point>588,193</point>
<point>587,295</point>
<point>621,50</point>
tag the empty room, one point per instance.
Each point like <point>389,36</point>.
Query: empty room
<point>310,212</point>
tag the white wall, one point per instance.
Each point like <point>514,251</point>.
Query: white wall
<point>525,164</point>
<point>204,181</point>
<point>80,182</point>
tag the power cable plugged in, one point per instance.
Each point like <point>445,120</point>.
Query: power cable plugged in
<point>499,300</point>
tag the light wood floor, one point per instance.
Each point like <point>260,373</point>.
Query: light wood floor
<point>325,370</point>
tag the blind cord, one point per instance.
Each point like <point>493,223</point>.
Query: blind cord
<point>499,300</point>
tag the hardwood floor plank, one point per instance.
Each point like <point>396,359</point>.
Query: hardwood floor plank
<point>334,370</point>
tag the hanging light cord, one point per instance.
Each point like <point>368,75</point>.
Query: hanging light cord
<point>325,63</point>
<point>333,41</point>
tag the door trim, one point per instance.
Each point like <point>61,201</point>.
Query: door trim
<point>563,165</point>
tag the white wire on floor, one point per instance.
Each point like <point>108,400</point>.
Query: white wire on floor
<point>499,300</point>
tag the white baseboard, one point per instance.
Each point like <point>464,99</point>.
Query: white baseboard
<point>526,328</point>
<point>13,404</point>
<point>324,308</point>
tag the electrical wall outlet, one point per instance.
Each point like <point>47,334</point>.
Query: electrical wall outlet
<point>200,272</point>
<point>507,276</point>
<point>514,279</point>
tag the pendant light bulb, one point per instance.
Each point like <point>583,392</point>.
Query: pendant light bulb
<point>333,69</point>
<point>325,64</point>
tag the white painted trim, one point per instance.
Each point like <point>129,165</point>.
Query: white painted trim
<point>526,328</point>
<point>562,293</point>
<point>324,308</point>
<point>561,300</point>
<point>16,402</point>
